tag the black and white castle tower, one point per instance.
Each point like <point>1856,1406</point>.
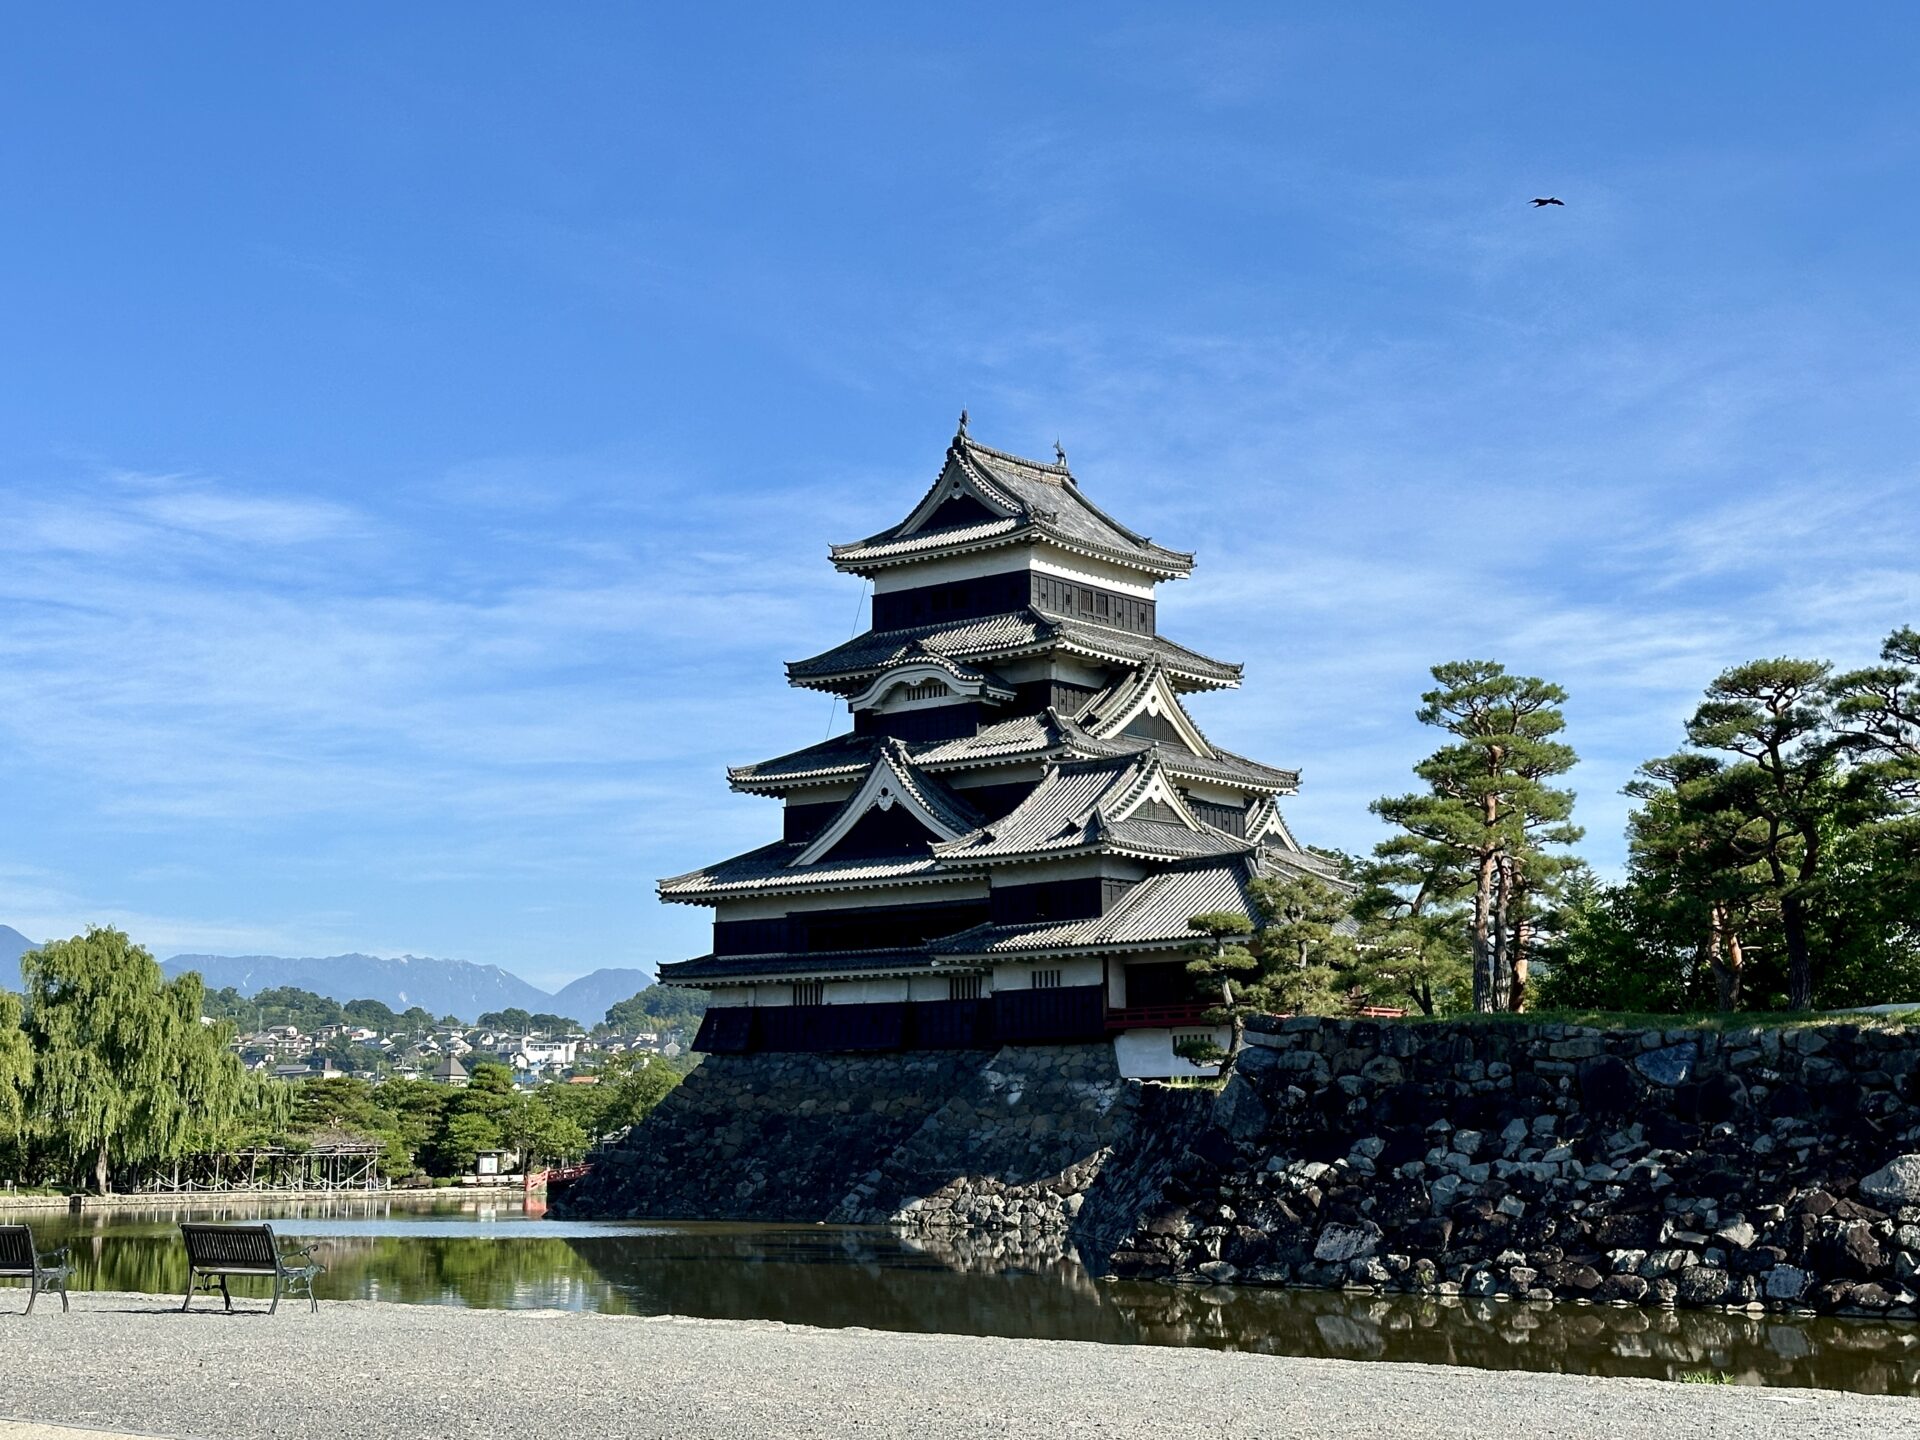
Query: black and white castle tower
<point>1009,845</point>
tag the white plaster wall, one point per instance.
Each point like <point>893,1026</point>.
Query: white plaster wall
<point>730,995</point>
<point>1074,970</point>
<point>1148,1054</point>
<point>1068,668</point>
<point>1001,559</point>
<point>931,987</point>
<point>885,991</point>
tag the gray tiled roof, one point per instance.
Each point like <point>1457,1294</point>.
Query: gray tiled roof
<point>1155,911</point>
<point>824,962</point>
<point>1048,503</point>
<point>1069,810</point>
<point>770,870</point>
<point>1016,632</point>
<point>842,758</point>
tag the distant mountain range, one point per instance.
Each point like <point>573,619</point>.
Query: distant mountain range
<point>445,987</point>
<point>590,997</point>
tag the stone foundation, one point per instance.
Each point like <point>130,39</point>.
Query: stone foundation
<point>1753,1168</point>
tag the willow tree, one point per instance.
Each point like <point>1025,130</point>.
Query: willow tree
<point>1489,810</point>
<point>16,1073</point>
<point>125,1072</point>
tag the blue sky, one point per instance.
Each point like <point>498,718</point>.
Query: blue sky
<point>422,428</point>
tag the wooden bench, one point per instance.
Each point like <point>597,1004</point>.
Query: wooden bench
<point>20,1259</point>
<point>216,1251</point>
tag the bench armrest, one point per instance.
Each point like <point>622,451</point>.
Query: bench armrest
<point>292,1251</point>
<point>51,1258</point>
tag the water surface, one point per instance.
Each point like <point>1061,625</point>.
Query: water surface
<point>488,1251</point>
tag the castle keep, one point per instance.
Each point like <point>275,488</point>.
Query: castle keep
<point>1007,847</point>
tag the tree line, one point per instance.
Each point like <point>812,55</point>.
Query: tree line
<point>1774,863</point>
<point>108,1068</point>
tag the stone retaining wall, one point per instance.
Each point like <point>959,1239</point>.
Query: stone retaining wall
<point>1016,1149</point>
<point>768,1137</point>
<point>1761,1168</point>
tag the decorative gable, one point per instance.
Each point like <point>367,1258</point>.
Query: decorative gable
<point>1152,796</point>
<point>1145,706</point>
<point>958,498</point>
<point>928,679</point>
<point>894,809</point>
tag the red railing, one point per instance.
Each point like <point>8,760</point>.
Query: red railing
<point>1156,1017</point>
<point>1164,1017</point>
<point>533,1179</point>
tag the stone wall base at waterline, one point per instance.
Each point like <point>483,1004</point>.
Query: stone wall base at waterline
<point>1763,1168</point>
<point>1750,1168</point>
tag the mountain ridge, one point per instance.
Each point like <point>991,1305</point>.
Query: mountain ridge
<point>444,987</point>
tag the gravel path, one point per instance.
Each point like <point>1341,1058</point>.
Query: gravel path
<point>401,1372</point>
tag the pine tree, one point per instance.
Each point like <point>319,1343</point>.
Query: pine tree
<point>1489,810</point>
<point>1303,945</point>
<point>1412,942</point>
<point>1223,958</point>
<point>1782,795</point>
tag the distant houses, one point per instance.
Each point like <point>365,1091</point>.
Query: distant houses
<point>444,1054</point>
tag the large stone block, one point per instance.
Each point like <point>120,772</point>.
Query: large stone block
<point>1894,1184</point>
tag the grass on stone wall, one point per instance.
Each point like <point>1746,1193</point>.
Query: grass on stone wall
<point>1688,1020</point>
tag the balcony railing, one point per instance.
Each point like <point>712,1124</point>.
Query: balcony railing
<point>1156,1017</point>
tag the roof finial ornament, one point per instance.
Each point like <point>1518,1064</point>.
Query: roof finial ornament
<point>1059,453</point>
<point>963,420</point>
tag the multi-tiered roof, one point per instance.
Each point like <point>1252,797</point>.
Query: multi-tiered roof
<point>1022,781</point>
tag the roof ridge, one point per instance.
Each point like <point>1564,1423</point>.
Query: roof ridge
<point>1059,469</point>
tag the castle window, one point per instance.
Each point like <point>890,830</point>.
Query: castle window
<point>809,992</point>
<point>963,987</point>
<point>1046,979</point>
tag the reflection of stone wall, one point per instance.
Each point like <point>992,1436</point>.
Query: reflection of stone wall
<point>1751,1168</point>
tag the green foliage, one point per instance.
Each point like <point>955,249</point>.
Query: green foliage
<point>630,1087</point>
<point>1291,956</point>
<point>1306,961</point>
<point>658,1007</point>
<point>1774,862</point>
<point>374,1015</point>
<point>124,1070</point>
<point>1413,918</point>
<point>16,1074</point>
<point>1601,960</point>
<point>1488,813</point>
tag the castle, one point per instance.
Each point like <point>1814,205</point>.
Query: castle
<point>1008,846</point>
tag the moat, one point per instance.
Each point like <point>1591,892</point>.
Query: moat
<point>488,1252</point>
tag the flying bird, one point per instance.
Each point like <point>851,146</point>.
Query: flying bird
<point>1547,200</point>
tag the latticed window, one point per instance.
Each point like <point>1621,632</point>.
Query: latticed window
<point>1046,979</point>
<point>926,690</point>
<point>809,992</point>
<point>963,987</point>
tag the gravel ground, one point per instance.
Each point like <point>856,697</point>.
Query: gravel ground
<point>373,1371</point>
